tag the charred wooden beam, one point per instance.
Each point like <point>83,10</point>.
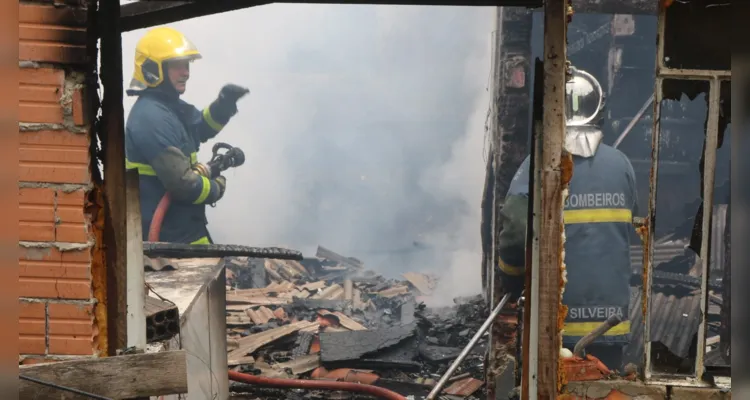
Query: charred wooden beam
<point>554,173</point>
<point>510,136</point>
<point>333,256</point>
<point>144,14</point>
<point>113,145</point>
<point>121,377</point>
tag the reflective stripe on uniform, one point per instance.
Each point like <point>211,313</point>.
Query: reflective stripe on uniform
<point>205,190</point>
<point>595,215</point>
<point>143,169</point>
<point>584,328</point>
<point>210,120</point>
<point>509,269</point>
<point>203,240</point>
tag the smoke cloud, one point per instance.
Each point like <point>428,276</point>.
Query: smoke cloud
<point>364,130</point>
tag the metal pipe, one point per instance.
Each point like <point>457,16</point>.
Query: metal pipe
<point>465,352</point>
<point>634,121</point>
<point>605,326</point>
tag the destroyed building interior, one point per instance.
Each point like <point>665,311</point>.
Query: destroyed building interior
<point>331,325</point>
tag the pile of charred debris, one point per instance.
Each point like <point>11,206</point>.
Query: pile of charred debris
<point>330,318</point>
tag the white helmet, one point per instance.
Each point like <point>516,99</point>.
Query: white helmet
<point>584,102</point>
<point>584,98</point>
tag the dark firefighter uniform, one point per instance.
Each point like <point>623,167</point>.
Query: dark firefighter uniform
<point>598,214</point>
<point>162,137</point>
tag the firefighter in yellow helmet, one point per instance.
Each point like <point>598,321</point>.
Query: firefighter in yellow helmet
<point>163,134</point>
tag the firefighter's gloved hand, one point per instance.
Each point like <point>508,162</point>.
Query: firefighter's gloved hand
<point>512,285</point>
<point>222,181</point>
<point>231,93</point>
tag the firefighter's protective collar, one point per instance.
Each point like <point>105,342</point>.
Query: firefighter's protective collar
<point>582,141</point>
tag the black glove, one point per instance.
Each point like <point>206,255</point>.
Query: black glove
<point>513,285</point>
<point>222,181</point>
<point>230,93</point>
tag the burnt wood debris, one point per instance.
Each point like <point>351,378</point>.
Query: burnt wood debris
<point>329,317</point>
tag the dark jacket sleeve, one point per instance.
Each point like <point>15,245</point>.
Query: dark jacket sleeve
<point>156,137</point>
<point>211,120</point>
<point>633,188</point>
<point>512,237</point>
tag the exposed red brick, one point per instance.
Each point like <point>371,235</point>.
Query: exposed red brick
<point>31,328</point>
<point>50,273</point>
<point>54,157</point>
<point>39,95</point>
<point>71,221</point>
<point>44,217</point>
<point>79,118</point>
<point>36,220</point>
<point>52,34</point>
<point>50,15</point>
<point>42,76</point>
<point>71,329</point>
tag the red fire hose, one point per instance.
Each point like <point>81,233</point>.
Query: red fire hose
<point>158,219</point>
<point>153,236</point>
<point>323,385</point>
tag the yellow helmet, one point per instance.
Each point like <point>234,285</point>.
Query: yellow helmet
<point>157,46</point>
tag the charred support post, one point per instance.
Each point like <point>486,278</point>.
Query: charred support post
<point>136,296</point>
<point>113,144</point>
<point>511,72</point>
<point>554,172</point>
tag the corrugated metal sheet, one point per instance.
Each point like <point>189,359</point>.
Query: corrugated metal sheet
<point>663,252</point>
<point>674,321</point>
<point>667,250</point>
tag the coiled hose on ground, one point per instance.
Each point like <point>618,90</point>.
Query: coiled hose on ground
<point>311,384</point>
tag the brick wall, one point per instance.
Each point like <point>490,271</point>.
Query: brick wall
<point>56,317</point>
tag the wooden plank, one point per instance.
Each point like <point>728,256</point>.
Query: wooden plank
<point>232,362</point>
<point>112,136</point>
<point>120,377</point>
<point>333,256</point>
<point>238,307</point>
<point>553,163</point>
<point>314,286</point>
<point>250,344</point>
<point>300,365</point>
<point>136,296</point>
<point>349,323</point>
<point>420,281</point>
<point>394,291</point>
<point>261,301</point>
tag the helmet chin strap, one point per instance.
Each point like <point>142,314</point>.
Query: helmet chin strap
<point>582,141</point>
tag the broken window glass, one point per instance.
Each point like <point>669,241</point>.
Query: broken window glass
<point>696,35</point>
<point>717,356</point>
<point>675,285</point>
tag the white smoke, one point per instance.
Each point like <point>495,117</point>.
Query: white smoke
<point>363,131</point>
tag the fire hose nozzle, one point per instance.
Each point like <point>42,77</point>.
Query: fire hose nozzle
<point>231,158</point>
